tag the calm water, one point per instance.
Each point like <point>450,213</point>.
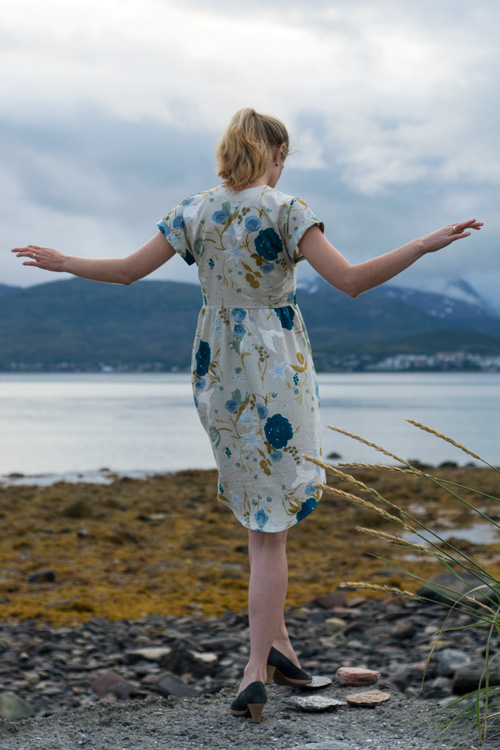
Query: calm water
<point>78,423</point>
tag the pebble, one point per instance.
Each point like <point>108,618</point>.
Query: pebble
<point>368,699</point>
<point>314,703</point>
<point>356,676</point>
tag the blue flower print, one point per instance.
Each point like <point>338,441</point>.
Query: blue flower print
<point>200,384</point>
<point>278,431</point>
<point>220,217</point>
<point>291,299</point>
<point>267,267</point>
<point>178,222</point>
<point>252,223</point>
<point>261,518</point>
<point>307,507</point>
<point>262,411</point>
<point>239,314</point>
<point>239,330</point>
<point>232,405</point>
<point>164,229</point>
<point>286,316</point>
<point>276,456</point>
<point>203,358</point>
<point>187,202</point>
<point>310,489</point>
<point>268,244</point>
<point>211,263</point>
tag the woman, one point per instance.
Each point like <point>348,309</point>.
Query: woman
<point>253,377</point>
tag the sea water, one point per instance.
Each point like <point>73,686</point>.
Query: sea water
<point>146,423</point>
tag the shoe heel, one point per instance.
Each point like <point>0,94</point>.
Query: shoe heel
<point>270,674</point>
<point>256,710</point>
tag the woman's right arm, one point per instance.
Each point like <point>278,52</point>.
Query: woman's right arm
<point>355,279</point>
<point>126,270</point>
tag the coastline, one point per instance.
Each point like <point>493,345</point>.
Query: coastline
<point>93,572</point>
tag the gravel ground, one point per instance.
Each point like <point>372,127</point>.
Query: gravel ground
<point>206,723</point>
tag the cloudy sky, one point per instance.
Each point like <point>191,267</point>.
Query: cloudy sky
<point>110,111</point>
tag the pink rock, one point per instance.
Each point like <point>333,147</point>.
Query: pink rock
<point>356,676</point>
<point>370,698</point>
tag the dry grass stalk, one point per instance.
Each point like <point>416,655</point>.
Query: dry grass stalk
<point>359,501</point>
<point>444,437</point>
<point>341,475</point>
<point>393,538</point>
<point>405,542</point>
<point>367,442</point>
<point>377,587</point>
<point>358,465</point>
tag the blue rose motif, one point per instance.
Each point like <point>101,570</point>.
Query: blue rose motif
<point>203,358</point>
<point>268,244</point>
<point>286,316</point>
<point>232,405</point>
<point>267,267</point>
<point>187,202</point>
<point>307,507</point>
<point>262,411</point>
<point>164,228</point>
<point>252,223</point>
<point>278,431</point>
<point>178,222</point>
<point>261,518</point>
<point>239,314</point>
<point>220,217</point>
<point>276,456</point>
<point>239,330</point>
<point>200,384</point>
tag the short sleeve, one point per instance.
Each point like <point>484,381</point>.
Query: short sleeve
<point>299,219</point>
<point>173,228</point>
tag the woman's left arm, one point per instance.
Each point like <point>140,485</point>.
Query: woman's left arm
<point>125,270</point>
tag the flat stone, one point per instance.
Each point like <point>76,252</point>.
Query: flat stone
<point>469,677</point>
<point>369,698</point>
<point>356,676</point>
<point>457,589</point>
<point>318,681</point>
<point>112,683</point>
<point>167,684</point>
<point>334,625</point>
<point>328,745</point>
<point>329,601</point>
<point>314,703</point>
<point>14,708</point>
<point>150,654</point>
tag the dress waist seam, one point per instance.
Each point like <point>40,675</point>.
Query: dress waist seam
<point>242,307</point>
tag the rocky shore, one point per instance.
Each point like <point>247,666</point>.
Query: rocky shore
<point>195,663</point>
<point>124,624</point>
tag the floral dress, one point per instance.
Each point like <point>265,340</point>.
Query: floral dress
<point>253,377</point>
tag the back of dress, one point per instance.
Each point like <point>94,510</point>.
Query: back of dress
<point>253,377</point>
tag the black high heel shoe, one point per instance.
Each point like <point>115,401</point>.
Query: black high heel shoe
<point>250,702</point>
<point>284,672</point>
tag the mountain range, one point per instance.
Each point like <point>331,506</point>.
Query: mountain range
<point>78,324</point>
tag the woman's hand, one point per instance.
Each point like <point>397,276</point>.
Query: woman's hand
<point>447,235</point>
<point>41,257</point>
<point>126,270</point>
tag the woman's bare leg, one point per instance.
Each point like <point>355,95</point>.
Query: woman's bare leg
<point>266,599</point>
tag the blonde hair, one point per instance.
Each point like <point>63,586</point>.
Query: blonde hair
<point>243,151</point>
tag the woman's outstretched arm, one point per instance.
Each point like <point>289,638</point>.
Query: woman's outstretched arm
<point>126,270</point>
<point>355,279</point>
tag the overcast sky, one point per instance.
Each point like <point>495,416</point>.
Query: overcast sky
<point>110,111</point>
